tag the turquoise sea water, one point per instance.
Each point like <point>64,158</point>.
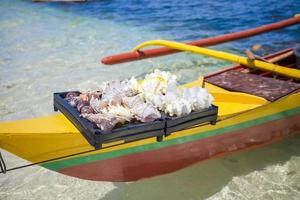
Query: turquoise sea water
<point>50,47</point>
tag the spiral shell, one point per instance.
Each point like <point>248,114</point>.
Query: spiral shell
<point>87,110</point>
<point>71,95</point>
<point>74,101</point>
<point>81,104</point>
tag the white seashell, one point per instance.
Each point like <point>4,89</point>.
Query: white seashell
<point>151,86</point>
<point>156,83</point>
<point>133,83</point>
<point>142,100</point>
<point>142,111</point>
<point>122,113</point>
<point>178,108</point>
<point>169,110</point>
<point>199,98</point>
<point>117,89</point>
<point>98,105</point>
<point>156,100</point>
<point>103,121</point>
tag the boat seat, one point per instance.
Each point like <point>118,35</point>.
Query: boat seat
<point>268,88</point>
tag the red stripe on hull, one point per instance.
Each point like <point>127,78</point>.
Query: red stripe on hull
<point>165,160</point>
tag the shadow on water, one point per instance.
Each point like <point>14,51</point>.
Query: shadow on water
<point>207,178</point>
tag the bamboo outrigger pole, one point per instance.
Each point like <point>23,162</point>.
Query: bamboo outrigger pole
<point>257,64</point>
<point>132,56</point>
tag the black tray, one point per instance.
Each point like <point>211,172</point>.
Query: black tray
<point>97,137</point>
<point>174,124</point>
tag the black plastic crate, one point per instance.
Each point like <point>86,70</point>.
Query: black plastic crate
<point>174,124</point>
<point>97,138</point>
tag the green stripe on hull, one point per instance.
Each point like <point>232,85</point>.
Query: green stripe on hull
<point>57,165</point>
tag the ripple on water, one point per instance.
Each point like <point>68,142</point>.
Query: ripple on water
<point>39,183</point>
<point>281,181</point>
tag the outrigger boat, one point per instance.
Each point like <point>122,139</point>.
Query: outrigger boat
<point>262,108</point>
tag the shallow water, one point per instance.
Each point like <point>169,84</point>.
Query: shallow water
<point>271,172</point>
<point>47,48</point>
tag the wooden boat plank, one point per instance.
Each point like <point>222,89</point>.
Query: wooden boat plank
<point>54,136</point>
<point>268,88</point>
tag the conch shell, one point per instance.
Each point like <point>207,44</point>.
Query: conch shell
<point>122,101</point>
<point>155,83</point>
<point>164,94</point>
<point>198,98</point>
<point>103,121</point>
<point>123,114</point>
<point>98,105</point>
<point>142,111</point>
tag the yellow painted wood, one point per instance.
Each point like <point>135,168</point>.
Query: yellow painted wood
<point>293,73</point>
<point>50,124</point>
<point>229,103</point>
<point>54,136</point>
<point>286,103</point>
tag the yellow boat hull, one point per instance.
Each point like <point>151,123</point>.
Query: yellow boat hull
<point>244,121</point>
<point>52,137</point>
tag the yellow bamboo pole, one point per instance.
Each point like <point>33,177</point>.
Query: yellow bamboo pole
<point>257,64</point>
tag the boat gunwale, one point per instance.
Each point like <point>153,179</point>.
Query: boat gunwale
<point>181,140</point>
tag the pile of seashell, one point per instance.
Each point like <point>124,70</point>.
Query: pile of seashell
<point>131,100</point>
